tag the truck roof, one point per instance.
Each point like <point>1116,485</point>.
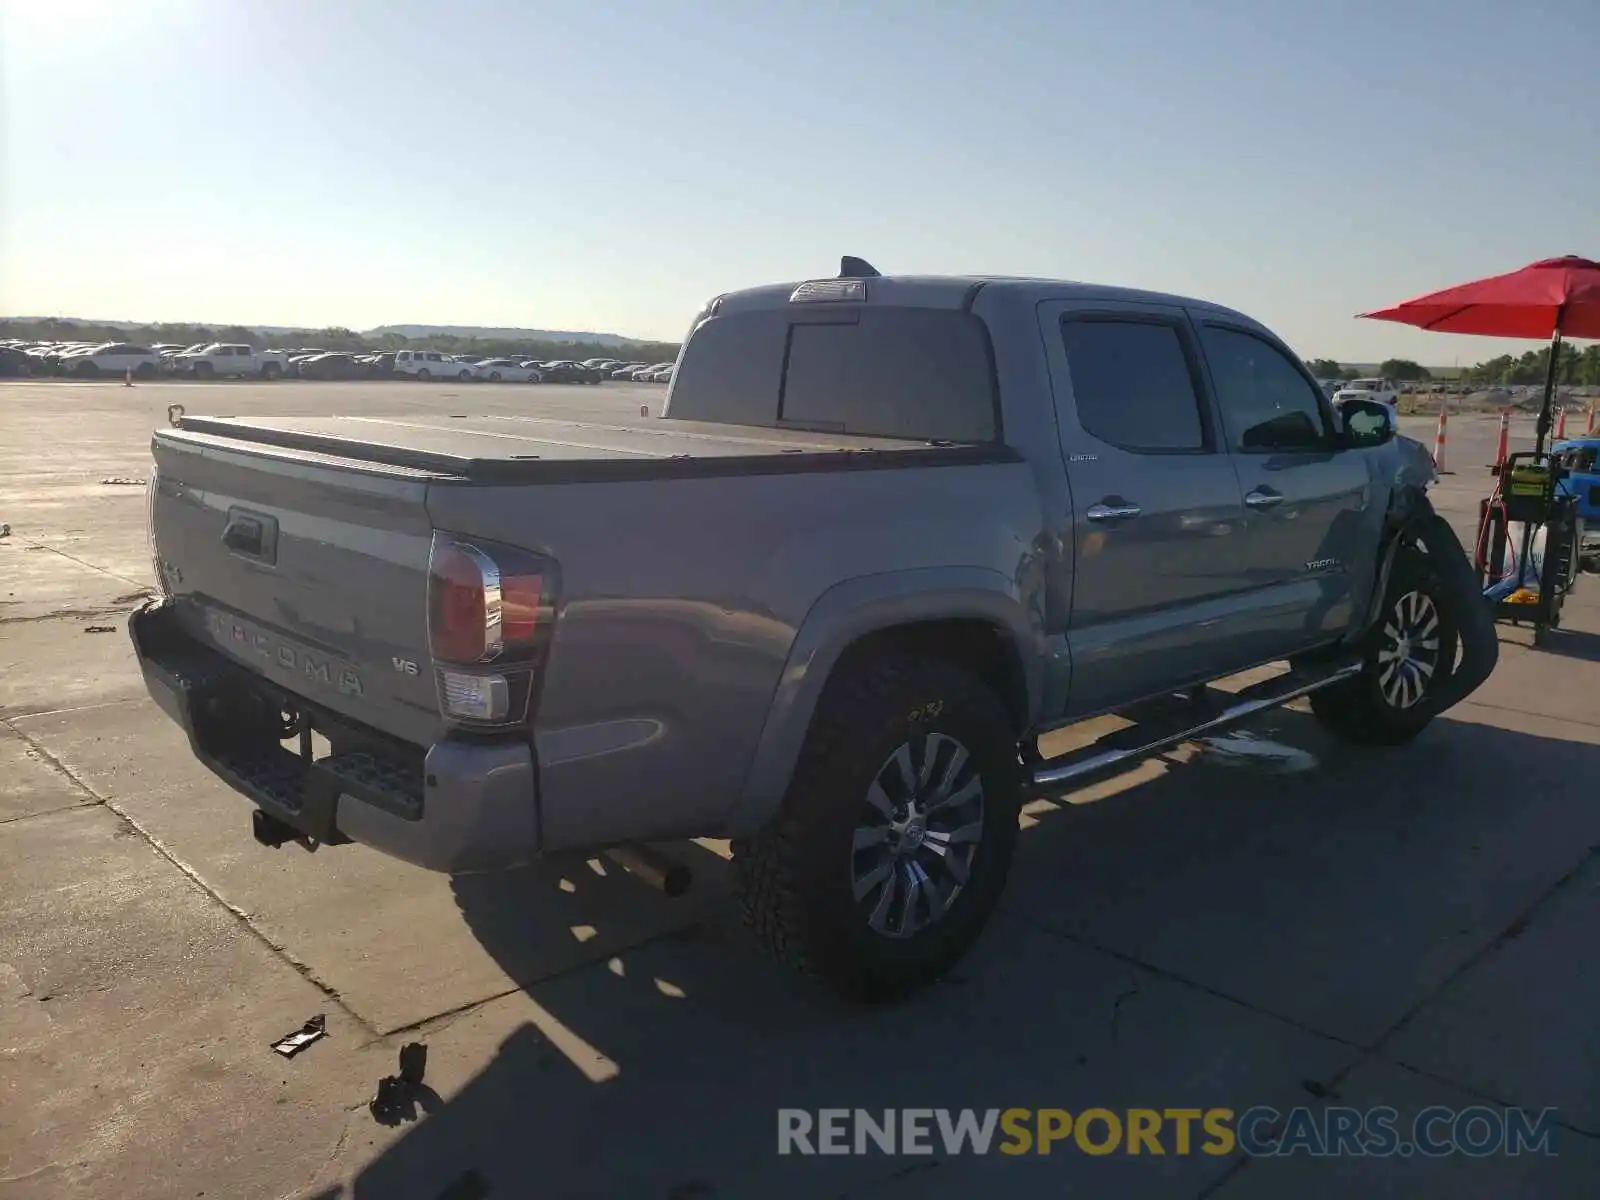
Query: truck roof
<point>956,291</point>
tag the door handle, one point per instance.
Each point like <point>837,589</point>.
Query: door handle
<point>1263,498</point>
<point>1119,511</point>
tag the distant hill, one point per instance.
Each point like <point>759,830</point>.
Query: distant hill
<point>462,332</point>
<point>501,333</point>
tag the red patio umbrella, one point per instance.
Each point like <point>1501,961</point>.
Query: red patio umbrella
<point>1552,298</point>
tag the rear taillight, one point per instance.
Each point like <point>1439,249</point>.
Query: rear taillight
<point>490,609</point>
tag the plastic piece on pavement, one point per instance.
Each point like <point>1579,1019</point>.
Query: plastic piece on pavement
<point>313,1030</point>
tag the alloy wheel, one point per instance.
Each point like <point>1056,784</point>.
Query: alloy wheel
<point>914,852</point>
<point>1409,654</point>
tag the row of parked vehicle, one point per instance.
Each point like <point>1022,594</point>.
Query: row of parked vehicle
<point>209,360</point>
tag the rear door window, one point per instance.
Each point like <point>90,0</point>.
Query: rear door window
<point>1134,384</point>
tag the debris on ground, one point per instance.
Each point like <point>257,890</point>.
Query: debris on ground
<point>99,628</point>
<point>124,481</point>
<point>398,1094</point>
<point>312,1031</point>
<point>5,530</point>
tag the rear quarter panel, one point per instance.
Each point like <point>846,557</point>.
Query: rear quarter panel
<point>682,603</point>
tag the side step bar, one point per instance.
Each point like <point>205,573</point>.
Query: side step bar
<point>1164,724</point>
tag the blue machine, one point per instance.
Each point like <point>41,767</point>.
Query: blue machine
<point>1577,457</point>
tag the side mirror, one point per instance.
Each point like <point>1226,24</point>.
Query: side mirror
<point>1365,423</point>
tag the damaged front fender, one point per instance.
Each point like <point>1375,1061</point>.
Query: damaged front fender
<point>1414,468</point>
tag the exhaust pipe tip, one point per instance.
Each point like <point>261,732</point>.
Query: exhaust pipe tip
<point>662,872</point>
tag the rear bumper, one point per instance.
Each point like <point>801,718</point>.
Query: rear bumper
<point>454,806</point>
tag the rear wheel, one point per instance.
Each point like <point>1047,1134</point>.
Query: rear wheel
<point>87,369</point>
<point>463,376</point>
<point>145,371</point>
<point>424,374</point>
<point>204,370</point>
<point>270,370</point>
<point>894,840</point>
<point>494,377</point>
<point>1411,651</point>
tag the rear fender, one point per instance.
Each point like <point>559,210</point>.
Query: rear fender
<point>844,614</point>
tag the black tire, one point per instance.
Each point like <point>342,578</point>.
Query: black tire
<point>204,370</point>
<point>494,376</point>
<point>270,371</point>
<point>798,879</point>
<point>1389,703</point>
<point>464,376</point>
<point>145,371</point>
<point>424,374</point>
<point>87,369</point>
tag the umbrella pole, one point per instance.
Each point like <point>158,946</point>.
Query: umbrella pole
<point>1542,430</point>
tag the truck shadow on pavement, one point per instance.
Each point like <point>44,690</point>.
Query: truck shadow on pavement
<point>1572,643</point>
<point>1201,934</point>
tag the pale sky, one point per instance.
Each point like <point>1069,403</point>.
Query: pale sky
<point>610,165</point>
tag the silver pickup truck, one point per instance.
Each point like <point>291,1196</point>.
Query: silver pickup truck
<point>886,532</point>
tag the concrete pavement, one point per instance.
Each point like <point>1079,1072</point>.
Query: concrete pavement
<point>1407,928</point>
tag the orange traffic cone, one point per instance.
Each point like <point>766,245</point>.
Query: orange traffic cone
<point>1561,424</point>
<point>1439,439</point>
<point>1504,447</point>
<point>127,377</point>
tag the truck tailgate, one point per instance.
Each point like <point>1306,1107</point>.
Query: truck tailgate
<point>309,570</point>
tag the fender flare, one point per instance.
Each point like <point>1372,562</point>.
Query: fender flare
<point>1412,521</point>
<point>841,616</point>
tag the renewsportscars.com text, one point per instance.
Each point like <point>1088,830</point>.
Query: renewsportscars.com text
<point>1478,1131</point>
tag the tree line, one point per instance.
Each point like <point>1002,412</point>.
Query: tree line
<point>1401,370</point>
<point>332,338</point>
<point>1575,368</point>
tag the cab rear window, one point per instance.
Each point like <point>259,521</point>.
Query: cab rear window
<point>915,373</point>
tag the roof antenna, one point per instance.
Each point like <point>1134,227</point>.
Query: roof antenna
<point>851,267</point>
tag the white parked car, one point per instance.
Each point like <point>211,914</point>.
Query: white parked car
<point>1379,390</point>
<point>648,374</point>
<point>169,357</point>
<point>111,358</point>
<point>507,370</point>
<point>430,364</point>
<point>229,360</point>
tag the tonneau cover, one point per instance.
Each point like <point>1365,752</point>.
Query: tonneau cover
<point>512,447</point>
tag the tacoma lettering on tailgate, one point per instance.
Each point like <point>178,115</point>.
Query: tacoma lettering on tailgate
<point>317,668</point>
